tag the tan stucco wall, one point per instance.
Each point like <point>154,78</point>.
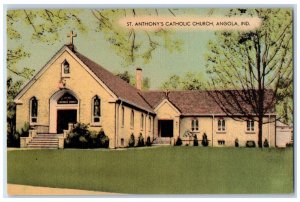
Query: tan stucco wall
<point>86,87</point>
<point>81,83</point>
<point>166,111</point>
<point>126,130</point>
<point>234,129</point>
<point>205,126</point>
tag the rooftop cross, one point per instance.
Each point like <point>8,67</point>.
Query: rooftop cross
<point>72,35</point>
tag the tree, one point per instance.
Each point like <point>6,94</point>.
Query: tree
<point>125,76</point>
<point>12,90</point>
<point>173,83</point>
<point>130,44</point>
<point>253,64</point>
<point>129,78</point>
<point>190,81</point>
<point>47,25</point>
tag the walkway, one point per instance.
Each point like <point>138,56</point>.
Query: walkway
<point>25,190</point>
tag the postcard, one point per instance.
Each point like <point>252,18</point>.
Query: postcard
<point>150,101</point>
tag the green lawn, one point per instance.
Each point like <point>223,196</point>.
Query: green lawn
<point>161,170</point>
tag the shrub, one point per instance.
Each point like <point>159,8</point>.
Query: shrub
<point>131,141</point>
<point>148,142</point>
<point>266,143</point>
<point>236,143</point>
<point>178,142</point>
<point>13,140</point>
<point>250,144</point>
<point>204,140</point>
<point>25,130</point>
<point>78,136</point>
<point>104,140</point>
<point>195,140</point>
<point>81,137</point>
<point>290,144</point>
<point>141,142</point>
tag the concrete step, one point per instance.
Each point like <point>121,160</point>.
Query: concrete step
<point>43,142</point>
<point>46,141</point>
<point>46,135</point>
<point>43,146</point>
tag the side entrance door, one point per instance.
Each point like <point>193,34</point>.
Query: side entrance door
<point>165,128</point>
<point>64,117</point>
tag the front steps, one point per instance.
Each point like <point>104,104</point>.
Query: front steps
<point>159,141</point>
<point>44,141</point>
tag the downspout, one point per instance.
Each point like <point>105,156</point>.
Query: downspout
<point>116,124</point>
<point>212,137</point>
<point>269,131</point>
<point>147,131</point>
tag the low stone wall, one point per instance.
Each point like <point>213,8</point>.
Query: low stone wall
<point>25,140</point>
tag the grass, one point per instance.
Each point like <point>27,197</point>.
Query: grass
<point>161,170</point>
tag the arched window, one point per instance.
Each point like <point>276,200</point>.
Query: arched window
<point>67,98</point>
<point>142,121</point>
<point>33,110</point>
<point>65,68</point>
<point>123,114</point>
<point>96,109</point>
<point>132,119</point>
<point>150,125</point>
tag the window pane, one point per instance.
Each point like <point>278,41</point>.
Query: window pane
<point>142,121</point>
<point>219,124</point>
<point>66,68</point>
<point>122,116</point>
<point>34,107</point>
<point>132,119</point>
<point>97,106</point>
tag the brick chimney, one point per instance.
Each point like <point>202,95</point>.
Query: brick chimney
<point>138,78</point>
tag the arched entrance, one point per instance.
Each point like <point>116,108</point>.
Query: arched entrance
<point>64,109</point>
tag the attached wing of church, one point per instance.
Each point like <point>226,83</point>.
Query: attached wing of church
<point>72,88</point>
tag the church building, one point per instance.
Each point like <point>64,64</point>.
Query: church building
<point>72,88</point>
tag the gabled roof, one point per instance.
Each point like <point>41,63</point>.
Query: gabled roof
<point>123,90</point>
<point>189,102</point>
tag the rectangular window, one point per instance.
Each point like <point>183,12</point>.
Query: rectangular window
<point>250,125</point>
<point>122,142</point>
<point>195,125</point>
<point>221,125</point>
<point>221,142</point>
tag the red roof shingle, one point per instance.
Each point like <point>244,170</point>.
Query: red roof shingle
<point>188,102</point>
<point>119,87</point>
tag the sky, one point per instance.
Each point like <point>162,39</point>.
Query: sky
<point>163,64</point>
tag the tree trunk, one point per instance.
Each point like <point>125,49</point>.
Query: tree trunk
<point>260,124</point>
